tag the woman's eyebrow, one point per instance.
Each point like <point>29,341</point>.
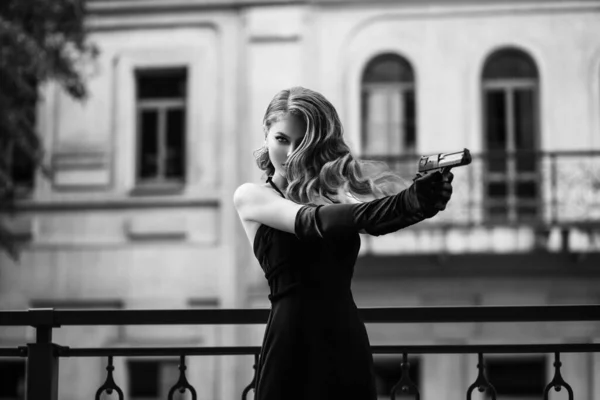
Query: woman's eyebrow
<point>283,134</point>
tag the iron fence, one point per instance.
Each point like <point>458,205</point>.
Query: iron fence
<point>42,356</point>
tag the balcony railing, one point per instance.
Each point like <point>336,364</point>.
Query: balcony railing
<point>43,356</point>
<point>558,188</point>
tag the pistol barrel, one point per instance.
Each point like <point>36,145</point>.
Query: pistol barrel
<point>444,160</point>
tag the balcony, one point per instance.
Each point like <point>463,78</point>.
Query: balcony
<point>508,202</point>
<point>522,187</point>
<point>43,356</point>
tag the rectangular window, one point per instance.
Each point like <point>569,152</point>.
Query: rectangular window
<point>152,379</point>
<point>161,128</point>
<point>12,376</point>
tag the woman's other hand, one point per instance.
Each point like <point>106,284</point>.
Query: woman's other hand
<point>434,192</point>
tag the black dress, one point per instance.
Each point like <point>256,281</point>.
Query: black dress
<point>315,345</point>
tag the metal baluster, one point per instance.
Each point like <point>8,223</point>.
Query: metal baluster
<point>553,190</point>
<point>470,202</point>
<point>252,384</point>
<point>481,383</point>
<point>405,384</point>
<point>42,359</point>
<point>557,382</point>
<point>109,385</point>
<point>182,384</point>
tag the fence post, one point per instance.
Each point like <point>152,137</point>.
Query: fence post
<point>42,361</point>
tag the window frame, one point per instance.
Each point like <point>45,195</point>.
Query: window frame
<point>511,175</point>
<point>399,86</point>
<point>161,105</point>
<point>197,50</point>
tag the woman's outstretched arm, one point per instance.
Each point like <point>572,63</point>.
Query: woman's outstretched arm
<point>423,199</point>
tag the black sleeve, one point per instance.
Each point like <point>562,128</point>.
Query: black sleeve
<point>376,217</point>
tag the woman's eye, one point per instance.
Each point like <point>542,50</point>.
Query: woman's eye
<point>281,139</point>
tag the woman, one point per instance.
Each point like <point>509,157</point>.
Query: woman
<point>304,226</point>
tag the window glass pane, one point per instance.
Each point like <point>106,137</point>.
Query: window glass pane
<point>395,122</point>
<point>389,121</point>
<point>525,128</point>
<point>527,189</point>
<point>376,137</point>
<point>364,120</point>
<point>524,119</point>
<point>161,84</point>
<point>143,378</point>
<point>526,161</point>
<point>12,375</point>
<point>509,63</point>
<point>497,189</point>
<point>148,137</point>
<point>410,138</point>
<point>388,68</point>
<point>175,154</point>
<point>498,212</point>
<point>525,213</point>
<point>495,121</point>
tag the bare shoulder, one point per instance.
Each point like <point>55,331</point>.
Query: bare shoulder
<point>250,198</point>
<point>262,204</point>
<point>247,193</point>
<point>245,198</point>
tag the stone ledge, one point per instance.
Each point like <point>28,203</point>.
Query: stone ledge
<point>156,228</point>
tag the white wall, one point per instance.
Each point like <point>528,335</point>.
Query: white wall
<point>447,46</point>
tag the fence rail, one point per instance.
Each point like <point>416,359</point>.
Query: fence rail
<point>43,355</point>
<point>49,317</point>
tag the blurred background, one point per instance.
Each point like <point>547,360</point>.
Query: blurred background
<point>132,208</point>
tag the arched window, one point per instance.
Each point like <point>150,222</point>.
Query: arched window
<point>388,107</point>
<point>510,86</point>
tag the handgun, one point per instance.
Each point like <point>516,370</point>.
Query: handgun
<point>443,161</point>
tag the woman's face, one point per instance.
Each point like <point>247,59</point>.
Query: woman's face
<point>283,138</point>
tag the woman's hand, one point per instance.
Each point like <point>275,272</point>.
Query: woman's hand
<point>434,192</point>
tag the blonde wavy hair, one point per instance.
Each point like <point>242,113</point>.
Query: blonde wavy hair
<point>322,169</point>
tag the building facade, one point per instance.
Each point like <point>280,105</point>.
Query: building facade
<point>139,214</point>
